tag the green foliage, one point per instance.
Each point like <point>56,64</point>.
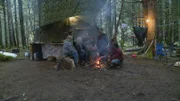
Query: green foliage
<point>4,58</point>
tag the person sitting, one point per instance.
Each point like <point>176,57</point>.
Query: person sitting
<point>81,50</point>
<point>88,43</point>
<point>117,56</point>
<point>69,50</point>
<point>102,43</point>
<point>111,46</point>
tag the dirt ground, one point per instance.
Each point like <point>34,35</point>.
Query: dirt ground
<point>138,80</point>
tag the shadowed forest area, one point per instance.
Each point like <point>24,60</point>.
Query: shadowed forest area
<point>89,50</point>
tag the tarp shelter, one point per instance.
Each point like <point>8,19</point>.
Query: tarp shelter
<point>56,16</point>
<point>53,35</point>
<point>140,33</point>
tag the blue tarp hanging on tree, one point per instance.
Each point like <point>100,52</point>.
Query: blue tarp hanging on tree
<point>140,33</point>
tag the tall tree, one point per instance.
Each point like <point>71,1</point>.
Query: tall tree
<point>109,19</point>
<point>23,38</point>
<point>1,38</point>
<point>10,25</point>
<point>115,1</point>
<point>119,19</point>
<point>149,7</point>
<point>16,23</point>
<point>5,24</point>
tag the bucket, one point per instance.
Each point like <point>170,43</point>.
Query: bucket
<point>134,55</point>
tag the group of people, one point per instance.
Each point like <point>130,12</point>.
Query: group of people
<point>86,48</point>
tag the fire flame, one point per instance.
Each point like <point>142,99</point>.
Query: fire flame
<point>98,62</point>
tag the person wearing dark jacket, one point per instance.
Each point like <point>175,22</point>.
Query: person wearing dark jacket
<point>81,50</point>
<point>117,56</point>
<point>102,43</point>
<point>69,49</point>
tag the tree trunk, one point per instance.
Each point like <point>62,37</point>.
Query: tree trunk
<point>119,19</point>
<point>169,25</point>
<point>112,16</point>
<point>1,37</point>
<point>115,21</point>
<point>178,21</point>
<point>5,24</point>
<point>10,24</point>
<point>164,21</point>
<point>34,14</point>
<point>16,23</point>
<point>28,28</point>
<point>23,38</point>
<point>149,7</point>
<point>39,11</point>
<point>101,22</point>
<point>30,19</point>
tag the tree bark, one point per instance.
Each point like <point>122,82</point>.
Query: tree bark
<point>34,14</point>
<point>111,19</point>
<point>119,19</point>
<point>16,23</point>
<point>169,23</point>
<point>30,19</point>
<point>164,21</point>
<point>101,18</point>
<point>11,26</point>
<point>149,7</point>
<point>178,21</point>
<point>5,24</point>
<point>115,21</point>
<point>39,11</point>
<point>1,37</point>
<point>23,38</point>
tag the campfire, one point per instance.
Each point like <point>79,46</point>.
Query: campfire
<point>98,63</point>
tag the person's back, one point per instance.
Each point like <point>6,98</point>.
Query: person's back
<point>69,50</point>
<point>102,43</point>
<point>68,47</point>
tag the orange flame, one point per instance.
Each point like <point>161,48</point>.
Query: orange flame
<point>98,62</point>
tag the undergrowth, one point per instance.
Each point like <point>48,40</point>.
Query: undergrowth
<point>4,58</point>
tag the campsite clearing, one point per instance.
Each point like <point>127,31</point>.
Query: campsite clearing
<point>138,80</point>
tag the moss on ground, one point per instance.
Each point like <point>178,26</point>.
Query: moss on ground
<point>4,58</point>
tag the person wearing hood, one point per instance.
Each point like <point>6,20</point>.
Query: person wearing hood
<point>102,43</point>
<point>81,50</point>
<point>69,49</point>
<point>116,57</point>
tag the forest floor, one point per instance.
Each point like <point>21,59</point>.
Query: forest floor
<point>138,80</point>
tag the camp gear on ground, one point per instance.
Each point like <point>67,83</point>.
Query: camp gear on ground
<point>160,49</point>
<point>177,64</point>
<point>134,55</point>
<point>8,54</point>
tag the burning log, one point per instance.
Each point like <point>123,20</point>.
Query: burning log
<point>97,64</point>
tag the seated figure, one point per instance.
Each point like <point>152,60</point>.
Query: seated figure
<point>69,50</point>
<point>116,57</point>
<point>81,50</point>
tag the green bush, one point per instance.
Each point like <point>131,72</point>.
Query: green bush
<point>4,58</point>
